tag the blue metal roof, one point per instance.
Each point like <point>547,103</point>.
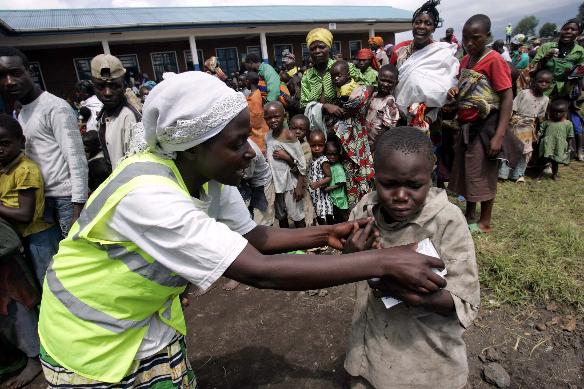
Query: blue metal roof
<point>23,21</point>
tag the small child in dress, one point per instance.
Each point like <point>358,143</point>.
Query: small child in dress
<point>417,343</point>
<point>320,177</point>
<point>22,198</point>
<point>300,125</point>
<point>529,108</point>
<point>336,188</point>
<point>382,113</point>
<point>555,136</point>
<point>288,166</point>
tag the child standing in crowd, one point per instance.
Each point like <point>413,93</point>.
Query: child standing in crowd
<point>288,166</point>
<point>300,125</point>
<point>485,101</point>
<point>259,128</point>
<point>382,113</point>
<point>22,198</point>
<point>98,168</point>
<point>320,178</point>
<point>529,108</point>
<point>417,343</point>
<point>336,188</point>
<point>555,136</point>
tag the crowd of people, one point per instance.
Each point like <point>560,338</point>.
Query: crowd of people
<point>111,208</point>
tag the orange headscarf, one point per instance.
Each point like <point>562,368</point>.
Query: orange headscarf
<point>368,54</point>
<point>377,40</point>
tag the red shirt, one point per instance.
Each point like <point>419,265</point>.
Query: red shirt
<point>393,58</point>
<point>497,71</point>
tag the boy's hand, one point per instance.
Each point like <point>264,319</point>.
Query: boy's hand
<point>314,185</point>
<point>453,92</point>
<point>298,193</point>
<point>495,146</point>
<point>393,289</point>
<point>282,155</point>
<point>338,233</point>
<point>361,238</point>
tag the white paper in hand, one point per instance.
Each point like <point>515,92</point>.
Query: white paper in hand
<point>424,247</point>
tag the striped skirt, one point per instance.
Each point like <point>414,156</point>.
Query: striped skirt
<point>167,369</point>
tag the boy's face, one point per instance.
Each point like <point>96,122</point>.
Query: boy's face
<point>299,128</point>
<point>316,143</point>
<point>15,79</point>
<point>10,146</point>
<point>543,82</point>
<point>339,75</point>
<point>274,117</point>
<point>474,38</point>
<point>386,82</point>
<point>558,113</point>
<point>332,153</point>
<point>110,93</point>
<point>402,182</point>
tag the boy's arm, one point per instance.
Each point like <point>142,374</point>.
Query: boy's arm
<point>506,97</point>
<point>25,212</point>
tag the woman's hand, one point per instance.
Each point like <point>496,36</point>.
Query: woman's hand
<point>333,110</point>
<point>453,92</point>
<point>361,238</point>
<point>495,146</point>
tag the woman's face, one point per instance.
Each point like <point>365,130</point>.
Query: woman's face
<point>569,33</point>
<point>224,157</point>
<point>422,29</point>
<point>319,52</point>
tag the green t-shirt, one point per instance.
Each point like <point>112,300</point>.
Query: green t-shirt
<point>338,196</point>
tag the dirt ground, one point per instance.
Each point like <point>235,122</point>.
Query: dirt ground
<point>250,338</point>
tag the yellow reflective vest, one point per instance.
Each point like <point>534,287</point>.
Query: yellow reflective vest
<point>100,294</point>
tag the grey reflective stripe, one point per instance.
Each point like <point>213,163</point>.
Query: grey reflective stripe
<point>214,192</point>
<point>154,271</point>
<point>87,313</point>
<point>167,309</point>
<point>130,172</point>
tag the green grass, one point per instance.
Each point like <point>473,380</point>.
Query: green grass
<point>536,251</point>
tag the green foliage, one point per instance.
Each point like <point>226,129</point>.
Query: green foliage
<point>536,250</point>
<point>526,25</point>
<point>547,30</point>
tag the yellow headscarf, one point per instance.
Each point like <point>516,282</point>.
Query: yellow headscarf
<point>319,34</point>
<point>376,40</point>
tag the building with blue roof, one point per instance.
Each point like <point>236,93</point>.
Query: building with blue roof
<point>61,42</point>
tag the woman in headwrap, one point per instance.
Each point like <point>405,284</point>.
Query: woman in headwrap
<point>427,69</point>
<point>170,215</point>
<point>376,45</point>
<point>560,57</point>
<point>211,66</point>
<point>290,75</point>
<point>368,65</point>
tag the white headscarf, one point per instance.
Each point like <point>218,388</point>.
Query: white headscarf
<point>184,111</point>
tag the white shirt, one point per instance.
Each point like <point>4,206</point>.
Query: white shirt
<point>258,172</point>
<point>53,141</point>
<point>179,233</point>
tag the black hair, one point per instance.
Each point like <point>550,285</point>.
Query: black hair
<point>543,71</point>
<point>429,7</point>
<point>91,138</point>
<point>85,86</point>
<point>407,140</point>
<point>302,117</point>
<point>252,58</point>
<point>450,29</point>
<point>482,19</point>
<point>560,104</point>
<point>276,104</point>
<point>573,21</point>
<point>316,132</point>
<point>85,113</point>
<point>341,62</point>
<point>389,68</point>
<point>9,51</point>
<point>334,142</point>
<point>11,125</point>
<point>252,77</point>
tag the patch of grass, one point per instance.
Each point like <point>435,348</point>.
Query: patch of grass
<point>536,250</point>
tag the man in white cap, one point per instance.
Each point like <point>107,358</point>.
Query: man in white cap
<point>117,116</point>
<point>172,215</point>
<point>53,139</point>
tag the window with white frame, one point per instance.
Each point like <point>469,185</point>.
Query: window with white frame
<point>37,74</point>
<point>254,50</point>
<point>189,59</point>
<point>82,68</point>
<point>228,59</point>
<point>130,63</point>
<point>163,62</point>
<point>279,51</point>
<point>336,49</point>
<point>354,46</point>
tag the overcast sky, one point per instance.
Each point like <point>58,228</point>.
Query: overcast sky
<point>454,12</point>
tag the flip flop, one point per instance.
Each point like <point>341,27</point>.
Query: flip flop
<point>475,229</point>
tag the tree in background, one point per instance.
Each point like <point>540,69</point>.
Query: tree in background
<point>526,25</point>
<point>548,30</point>
<point>581,12</point>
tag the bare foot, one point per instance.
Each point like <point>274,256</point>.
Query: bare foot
<point>486,229</point>
<point>230,285</point>
<point>184,301</point>
<point>555,177</point>
<point>32,369</point>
